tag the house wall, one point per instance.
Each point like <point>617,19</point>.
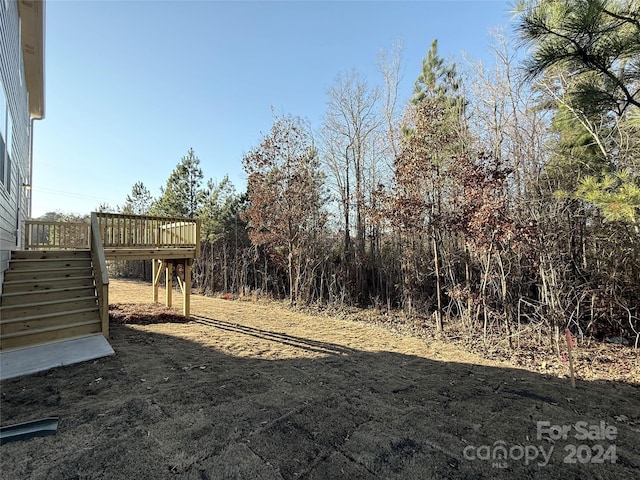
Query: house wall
<point>14,133</point>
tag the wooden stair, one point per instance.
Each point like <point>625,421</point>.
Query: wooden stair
<point>48,296</point>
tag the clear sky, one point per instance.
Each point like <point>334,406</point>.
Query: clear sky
<point>132,85</point>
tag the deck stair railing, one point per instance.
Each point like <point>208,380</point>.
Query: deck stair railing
<point>100,273</point>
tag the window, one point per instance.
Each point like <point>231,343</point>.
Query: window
<point>8,152</point>
<point>2,156</point>
<point>8,184</point>
<point>20,69</point>
<point>4,150</point>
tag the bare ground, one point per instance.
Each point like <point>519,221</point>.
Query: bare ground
<point>252,390</point>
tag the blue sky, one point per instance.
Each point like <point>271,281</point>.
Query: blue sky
<point>132,85</point>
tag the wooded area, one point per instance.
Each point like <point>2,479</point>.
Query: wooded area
<point>504,199</point>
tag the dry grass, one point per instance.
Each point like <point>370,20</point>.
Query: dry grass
<point>253,390</point>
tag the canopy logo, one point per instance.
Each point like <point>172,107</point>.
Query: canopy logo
<point>499,453</point>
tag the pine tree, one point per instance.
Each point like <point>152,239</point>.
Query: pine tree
<point>219,206</point>
<point>437,133</point>
<point>438,79</point>
<point>597,42</point>
<point>182,195</point>
<point>587,54</point>
<point>439,84</point>
<point>139,201</point>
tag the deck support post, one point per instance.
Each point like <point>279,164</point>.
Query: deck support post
<point>168,274</point>
<point>156,272</point>
<point>186,303</point>
<point>154,283</point>
<point>185,287</point>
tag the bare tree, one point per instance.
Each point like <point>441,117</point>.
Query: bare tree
<point>389,65</point>
<point>348,129</point>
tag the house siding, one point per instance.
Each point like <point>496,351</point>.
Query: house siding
<point>13,196</point>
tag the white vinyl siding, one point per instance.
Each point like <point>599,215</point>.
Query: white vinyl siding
<point>14,130</point>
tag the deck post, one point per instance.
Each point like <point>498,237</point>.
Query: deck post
<point>154,279</point>
<point>186,291</point>
<point>104,311</point>
<point>168,274</point>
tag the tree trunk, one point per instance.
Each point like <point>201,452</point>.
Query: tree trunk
<point>436,263</point>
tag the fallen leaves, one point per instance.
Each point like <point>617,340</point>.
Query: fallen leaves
<point>144,314</point>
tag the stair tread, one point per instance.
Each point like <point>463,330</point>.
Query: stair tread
<point>41,255</point>
<point>49,315</point>
<point>50,250</point>
<point>50,302</point>
<point>61,269</point>
<point>49,329</point>
<point>50,259</point>
<point>53,259</point>
<point>52,279</point>
<point>52,290</point>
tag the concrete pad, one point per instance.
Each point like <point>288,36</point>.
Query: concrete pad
<point>38,358</point>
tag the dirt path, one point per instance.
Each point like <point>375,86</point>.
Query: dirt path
<point>250,390</point>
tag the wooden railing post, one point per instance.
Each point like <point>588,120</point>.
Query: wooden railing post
<point>27,230</point>
<point>197,239</point>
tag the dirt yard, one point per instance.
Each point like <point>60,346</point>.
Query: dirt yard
<point>250,390</point>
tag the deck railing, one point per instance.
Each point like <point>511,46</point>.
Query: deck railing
<point>117,231</point>
<point>42,235</point>
<point>142,231</point>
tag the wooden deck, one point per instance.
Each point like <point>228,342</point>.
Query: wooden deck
<point>169,242</point>
<point>123,237</point>
<point>60,280</point>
